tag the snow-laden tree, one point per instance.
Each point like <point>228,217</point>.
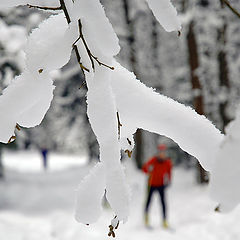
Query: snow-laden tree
<point>118,103</point>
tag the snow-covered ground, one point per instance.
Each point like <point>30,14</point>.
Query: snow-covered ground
<point>38,205</point>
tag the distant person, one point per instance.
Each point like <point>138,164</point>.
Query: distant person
<point>44,152</point>
<point>159,170</point>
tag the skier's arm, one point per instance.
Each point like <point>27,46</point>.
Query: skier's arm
<point>169,170</point>
<point>147,166</point>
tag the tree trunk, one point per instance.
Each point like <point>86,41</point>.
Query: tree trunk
<point>196,87</point>
<point>223,72</point>
<point>133,64</point>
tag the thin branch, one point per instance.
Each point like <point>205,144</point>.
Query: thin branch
<point>129,142</point>
<point>129,153</point>
<point>119,125</point>
<point>83,84</point>
<point>64,8</point>
<point>18,127</point>
<point>91,56</point>
<point>11,139</point>
<point>227,3</point>
<point>85,43</point>
<point>79,59</point>
<point>45,8</point>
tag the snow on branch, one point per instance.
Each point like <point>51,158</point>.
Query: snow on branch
<point>146,109</point>
<point>225,174</point>
<point>15,3</point>
<point>113,98</point>
<point>166,14</point>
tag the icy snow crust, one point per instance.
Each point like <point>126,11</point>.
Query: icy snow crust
<point>28,97</point>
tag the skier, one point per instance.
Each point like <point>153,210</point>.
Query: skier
<point>159,170</point>
<point>44,152</point>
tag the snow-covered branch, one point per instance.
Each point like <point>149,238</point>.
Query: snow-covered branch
<point>118,104</point>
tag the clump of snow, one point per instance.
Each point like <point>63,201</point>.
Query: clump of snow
<point>101,38</point>
<point>14,3</point>
<point>225,175</point>
<point>146,109</point>
<point>25,102</point>
<point>115,222</point>
<point>102,112</point>
<point>118,192</point>
<point>48,47</point>
<point>166,14</point>
<point>89,196</point>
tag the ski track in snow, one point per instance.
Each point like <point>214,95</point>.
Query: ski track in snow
<point>38,205</point>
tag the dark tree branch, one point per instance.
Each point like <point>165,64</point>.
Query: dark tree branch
<point>119,125</point>
<point>79,59</point>
<point>64,8</point>
<point>227,3</point>
<point>91,56</point>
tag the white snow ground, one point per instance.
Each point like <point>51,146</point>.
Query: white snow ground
<point>38,205</point>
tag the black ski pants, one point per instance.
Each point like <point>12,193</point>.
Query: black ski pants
<point>161,191</point>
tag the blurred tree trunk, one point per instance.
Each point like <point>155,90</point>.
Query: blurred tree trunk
<point>223,71</point>
<point>198,102</point>
<point>1,164</point>
<point>133,62</point>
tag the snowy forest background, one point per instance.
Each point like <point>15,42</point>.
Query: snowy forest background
<point>200,68</point>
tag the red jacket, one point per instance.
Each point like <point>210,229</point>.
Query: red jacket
<point>159,171</point>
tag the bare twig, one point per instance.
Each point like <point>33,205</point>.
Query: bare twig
<point>119,125</point>
<point>91,56</point>
<point>64,8</point>
<point>45,8</point>
<point>129,142</point>
<point>12,138</point>
<point>79,59</point>
<point>112,228</point>
<point>18,127</point>
<point>227,3</point>
<point>83,84</point>
<point>85,43</point>
<point>217,208</point>
<point>129,153</point>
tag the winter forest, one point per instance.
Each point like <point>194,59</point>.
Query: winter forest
<point>90,90</point>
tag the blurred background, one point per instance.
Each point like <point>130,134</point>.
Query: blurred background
<point>199,68</point>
